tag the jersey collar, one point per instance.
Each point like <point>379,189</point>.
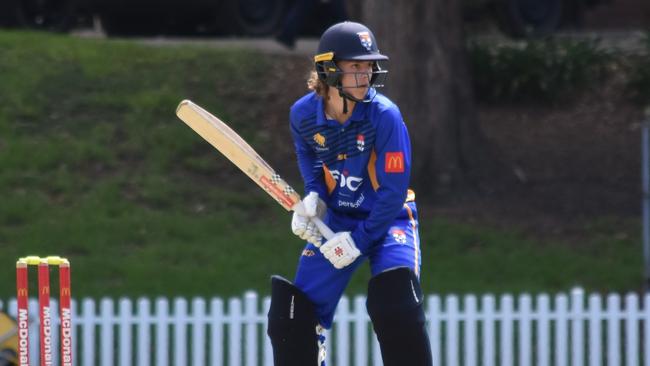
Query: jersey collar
<point>358,114</point>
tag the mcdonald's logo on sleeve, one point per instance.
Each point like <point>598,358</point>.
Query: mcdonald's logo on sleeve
<point>394,162</point>
<point>22,292</point>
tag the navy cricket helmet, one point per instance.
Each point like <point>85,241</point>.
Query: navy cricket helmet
<point>348,41</point>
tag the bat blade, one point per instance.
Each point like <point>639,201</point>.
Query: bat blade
<point>238,151</point>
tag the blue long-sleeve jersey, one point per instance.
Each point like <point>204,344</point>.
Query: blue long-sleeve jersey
<point>360,168</point>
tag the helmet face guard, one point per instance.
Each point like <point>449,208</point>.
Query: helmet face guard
<point>331,74</point>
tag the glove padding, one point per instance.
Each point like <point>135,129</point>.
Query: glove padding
<point>301,223</point>
<point>340,250</point>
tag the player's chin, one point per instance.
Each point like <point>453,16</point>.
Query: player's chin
<point>360,91</point>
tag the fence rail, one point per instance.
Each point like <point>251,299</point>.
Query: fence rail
<point>564,329</point>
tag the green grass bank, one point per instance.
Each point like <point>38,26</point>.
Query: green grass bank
<point>95,166</point>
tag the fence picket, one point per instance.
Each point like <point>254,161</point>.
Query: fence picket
<point>578,330</point>
<point>645,316</point>
<point>75,343</point>
<point>143,324</point>
<point>561,330</point>
<point>268,350</point>
<point>543,330</point>
<point>125,310</point>
<point>180,321</point>
<point>507,347</point>
<point>198,332</point>
<point>525,334</point>
<point>250,311</point>
<point>595,330</point>
<point>613,330</point>
<point>631,330</point>
<point>488,330</point>
<point>433,314</point>
<point>107,314</point>
<point>162,332</point>
<point>234,329</point>
<point>577,327</point>
<point>360,332</point>
<point>453,320</point>
<point>54,330</point>
<point>376,352</point>
<point>87,320</point>
<point>469,333</point>
<point>216,332</point>
<point>342,331</point>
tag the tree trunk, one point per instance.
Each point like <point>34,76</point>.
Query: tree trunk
<point>429,80</point>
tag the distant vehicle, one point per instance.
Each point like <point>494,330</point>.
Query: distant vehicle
<point>517,18</point>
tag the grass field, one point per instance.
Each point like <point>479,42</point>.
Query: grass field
<point>95,166</point>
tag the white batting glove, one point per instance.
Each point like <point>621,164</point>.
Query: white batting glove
<point>340,250</point>
<point>301,223</point>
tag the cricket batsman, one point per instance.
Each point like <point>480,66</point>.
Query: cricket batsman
<point>354,155</point>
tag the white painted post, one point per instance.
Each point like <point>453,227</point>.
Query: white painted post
<point>342,327</point>
<point>561,330</point>
<point>74,310</point>
<point>613,330</point>
<point>162,332</point>
<point>577,327</point>
<point>125,310</point>
<point>525,332</point>
<point>376,351</point>
<point>235,334</point>
<point>595,330</point>
<point>54,330</point>
<point>361,348</point>
<point>645,316</point>
<point>216,332</point>
<point>543,330</point>
<point>451,310</point>
<point>34,329</point>
<point>199,343</point>
<point>268,348</point>
<point>507,349</point>
<point>143,323</point>
<point>470,311</point>
<point>631,330</point>
<point>107,315</point>
<point>87,320</point>
<point>488,330</point>
<point>180,331</point>
<point>250,311</point>
<point>434,315</point>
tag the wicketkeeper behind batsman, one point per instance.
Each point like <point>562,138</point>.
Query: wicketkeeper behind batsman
<point>354,154</point>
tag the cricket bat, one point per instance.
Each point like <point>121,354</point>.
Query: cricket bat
<point>240,153</point>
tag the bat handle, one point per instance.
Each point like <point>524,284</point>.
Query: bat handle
<point>324,229</point>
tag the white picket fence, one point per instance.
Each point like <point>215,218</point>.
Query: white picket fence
<point>564,329</point>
